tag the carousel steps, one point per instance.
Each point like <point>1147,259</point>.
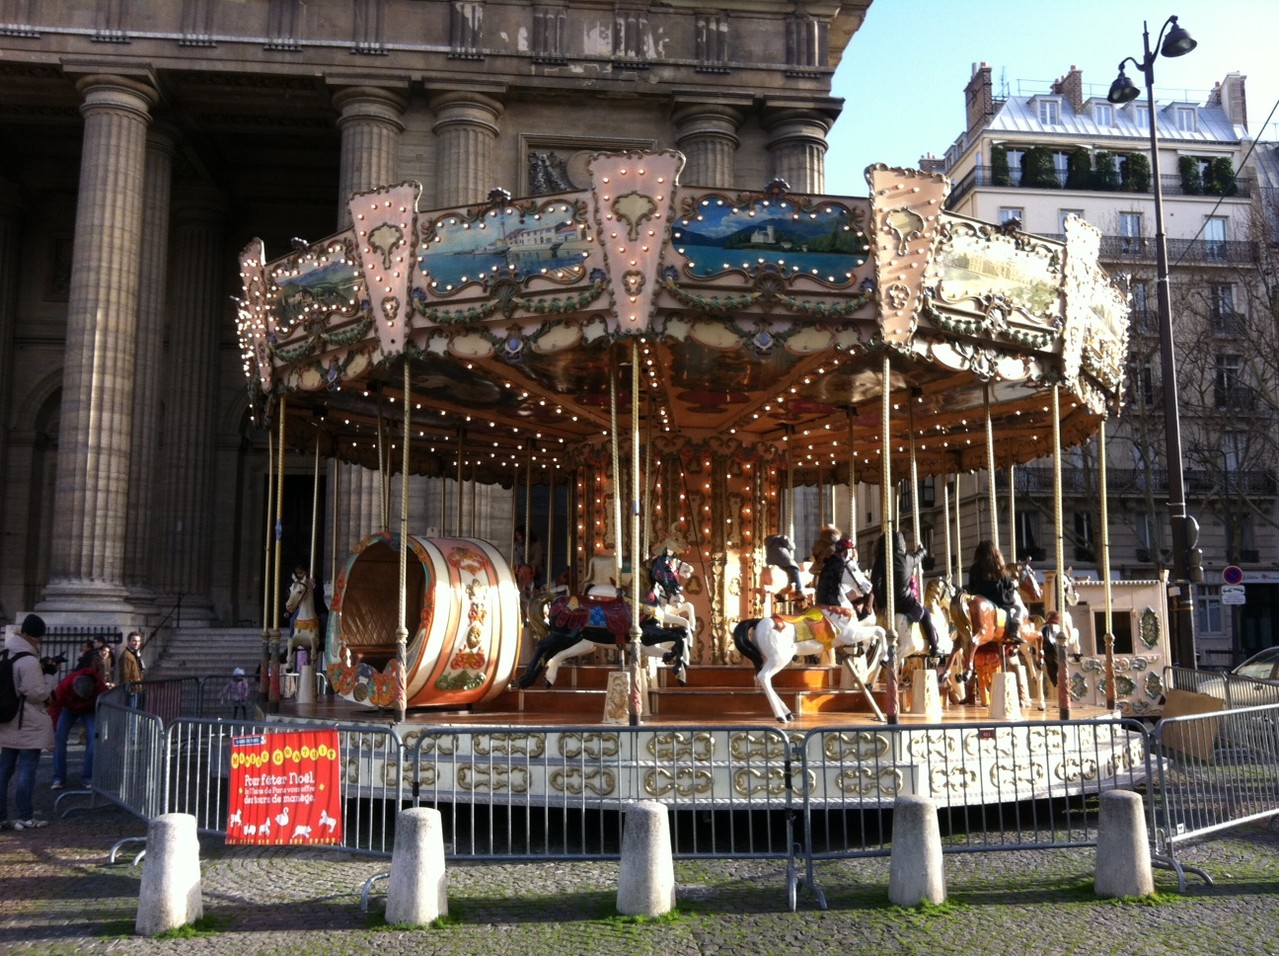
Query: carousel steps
<point>711,692</point>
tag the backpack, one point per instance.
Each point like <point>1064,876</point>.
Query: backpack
<point>10,700</point>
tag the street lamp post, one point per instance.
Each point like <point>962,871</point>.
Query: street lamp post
<point>1186,556</point>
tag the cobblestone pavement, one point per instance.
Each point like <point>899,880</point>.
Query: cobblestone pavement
<point>61,895</point>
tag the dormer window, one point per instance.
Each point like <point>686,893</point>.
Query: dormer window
<point>1103,114</point>
<point>1187,118</point>
<point>1050,112</point>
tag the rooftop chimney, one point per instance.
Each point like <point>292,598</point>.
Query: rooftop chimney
<point>1071,86</point>
<point>980,97</point>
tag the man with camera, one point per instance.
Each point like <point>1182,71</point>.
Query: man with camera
<point>30,730</point>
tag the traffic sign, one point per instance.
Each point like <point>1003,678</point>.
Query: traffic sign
<point>1233,594</point>
<point>1232,575</point>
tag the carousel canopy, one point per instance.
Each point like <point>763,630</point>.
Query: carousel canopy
<point>760,322</point>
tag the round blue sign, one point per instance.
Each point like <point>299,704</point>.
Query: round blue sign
<point>1232,575</point>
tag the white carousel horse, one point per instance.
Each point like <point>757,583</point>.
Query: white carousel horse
<point>773,642</point>
<point>306,622</point>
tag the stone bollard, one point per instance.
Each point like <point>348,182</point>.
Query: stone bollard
<point>418,890</point>
<point>646,878</point>
<point>170,895</point>
<point>1123,846</point>
<point>915,868</point>
<point>1004,703</point>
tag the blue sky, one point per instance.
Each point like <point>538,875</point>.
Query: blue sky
<point>903,75</point>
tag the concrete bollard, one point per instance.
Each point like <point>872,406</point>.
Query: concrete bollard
<point>170,895</point>
<point>646,878</point>
<point>1123,847</point>
<point>915,871</point>
<point>418,890</point>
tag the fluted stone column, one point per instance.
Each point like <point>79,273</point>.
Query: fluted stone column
<point>797,145</point>
<point>706,133</point>
<point>371,124</point>
<point>466,135</point>
<point>144,467</point>
<point>466,127</point>
<point>91,495</point>
<point>184,526</point>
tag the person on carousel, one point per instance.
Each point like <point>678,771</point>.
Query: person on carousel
<point>989,578</point>
<point>780,552</point>
<point>528,561</point>
<point>829,552</point>
<point>905,599</point>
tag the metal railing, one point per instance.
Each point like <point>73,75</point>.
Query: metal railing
<point>1217,770</point>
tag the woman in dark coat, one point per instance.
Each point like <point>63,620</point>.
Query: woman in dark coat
<point>989,578</point>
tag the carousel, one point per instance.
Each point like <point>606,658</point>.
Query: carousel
<point>679,360</point>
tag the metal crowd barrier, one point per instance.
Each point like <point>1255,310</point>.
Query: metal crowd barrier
<point>1216,770</point>
<point>1232,689</point>
<point>997,786</point>
<point>559,792</point>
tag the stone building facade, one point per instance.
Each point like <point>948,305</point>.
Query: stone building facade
<point>147,142</point>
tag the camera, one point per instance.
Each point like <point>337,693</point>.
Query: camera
<point>50,665</point>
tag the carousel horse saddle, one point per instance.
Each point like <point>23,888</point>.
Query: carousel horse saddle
<point>611,614</point>
<point>810,621</point>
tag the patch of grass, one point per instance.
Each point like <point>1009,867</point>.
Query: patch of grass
<point>377,921</point>
<point>117,929</point>
<point>204,926</point>
<point>1155,899</point>
<point>673,915</point>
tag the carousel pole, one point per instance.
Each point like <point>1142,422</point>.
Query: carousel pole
<point>889,531</point>
<point>528,501</point>
<point>959,542</point>
<point>914,488</point>
<point>383,471</point>
<point>515,510</point>
<point>636,650</point>
<point>273,694</point>
<point>264,672</point>
<point>1105,567</point>
<point>1063,691</point>
<point>617,478</point>
<point>852,478</point>
<point>401,626</point>
<point>945,511</point>
<point>991,498</point>
<point>457,527</point>
<point>549,548</point>
<point>1012,511</point>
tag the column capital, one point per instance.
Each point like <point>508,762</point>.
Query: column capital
<point>377,103</point>
<point>466,108</point>
<point>110,91</point>
<point>785,122</point>
<point>706,119</point>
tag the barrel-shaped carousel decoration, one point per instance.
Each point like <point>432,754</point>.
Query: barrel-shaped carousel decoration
<point>678,354</point>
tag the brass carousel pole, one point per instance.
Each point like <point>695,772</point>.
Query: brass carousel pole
<point>273,695</point>
<point>461,505</point>
<point>383,472</point>
<point>1012,511</point>
<point>889,532</point>
<point>852,478</point>
<point>401,626</point>
<point>264,672</point>
<point>945,511</point>
<point>991,499</point>
<point>914,488</point>
<point>636,649</point>
<point>1063,691</point>
<point>1105,567</point>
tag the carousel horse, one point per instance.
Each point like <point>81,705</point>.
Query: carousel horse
<point>979,623</point>
<point>1059,629</point>
<point>773,642</point>
<point>912,644</point>
<point>571,625</point>
<point>300,605</point>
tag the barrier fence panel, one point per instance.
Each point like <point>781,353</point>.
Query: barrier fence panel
<point>198,775</point>
<point>997,786</point>
<point>129,757</point>
<point>1232,689</point>
<point>560,792</point>
<point>1216,770</point>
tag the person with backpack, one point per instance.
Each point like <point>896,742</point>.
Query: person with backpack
<point>26,682</point>
<point>74,699</point>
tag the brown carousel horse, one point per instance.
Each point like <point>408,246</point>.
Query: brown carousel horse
<point>983,630</point>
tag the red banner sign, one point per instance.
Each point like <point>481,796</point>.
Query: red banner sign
<point>285,789</point>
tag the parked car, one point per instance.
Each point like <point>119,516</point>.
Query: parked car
<point>1264,665</point>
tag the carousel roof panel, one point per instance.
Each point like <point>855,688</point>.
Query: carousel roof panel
<point>760,316</point>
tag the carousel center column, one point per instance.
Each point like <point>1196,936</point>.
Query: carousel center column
<point>91,495</point>
<point>706,133</point>
<point>797,145</point>
<point>370,120</point>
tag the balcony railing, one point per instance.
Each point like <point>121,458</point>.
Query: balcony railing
<point>984,176</point>
<point>1198,251</point>
<point>1133,481</point>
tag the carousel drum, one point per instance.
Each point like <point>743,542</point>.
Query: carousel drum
<point>463,614</point>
